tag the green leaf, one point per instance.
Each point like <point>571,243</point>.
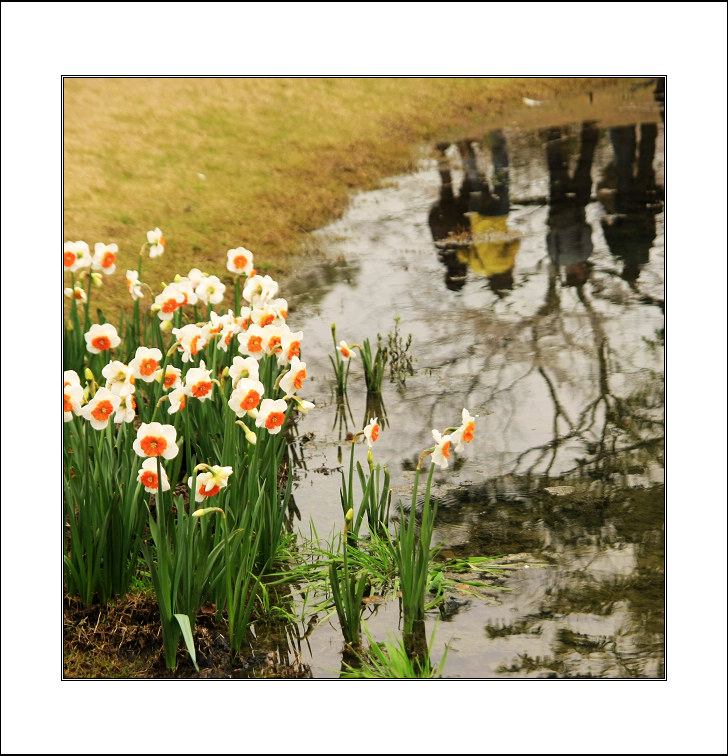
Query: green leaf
<point>184,623</point>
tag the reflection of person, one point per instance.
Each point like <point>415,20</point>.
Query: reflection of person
<point>631,198</point>
<point>449,224</point>
<point>568,240</point>
<point>472,229</point>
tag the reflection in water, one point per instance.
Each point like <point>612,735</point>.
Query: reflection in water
<point>569,241</point>
<point>472,229</point>
<point>631,198</point>
<point>565,373</point>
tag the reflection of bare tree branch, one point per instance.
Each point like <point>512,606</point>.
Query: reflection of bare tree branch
<point>619,415</point>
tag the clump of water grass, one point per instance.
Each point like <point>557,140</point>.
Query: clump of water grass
<point>391,659</point>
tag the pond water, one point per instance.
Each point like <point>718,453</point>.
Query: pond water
<point>528,269</point>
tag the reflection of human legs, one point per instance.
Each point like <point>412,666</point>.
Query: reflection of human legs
<point>582,175</point>
<point>645,169</point>
<point>557,165</point>
<point>624,143</point>
<point>501,182</point>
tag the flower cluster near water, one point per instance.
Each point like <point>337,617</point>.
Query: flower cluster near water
<point>186,407</point>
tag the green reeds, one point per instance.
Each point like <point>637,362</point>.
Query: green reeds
<point>373,366</point>
<point>348,587</point>
<point>412,553</point>
<point>392,659</point>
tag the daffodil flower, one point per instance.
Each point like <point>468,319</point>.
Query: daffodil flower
<point>177,400</point>
<point>271,415</point>
<point>240,261</point>
<point>292,381</point>
<point>77,292</point>
<point>244,367</point>
<point>251,342</point>
<point>371,431</point>
<point>72,395</point>
<point>172,377</point>
<point>210,290</point>
<point>246,396</point>
<point>272,335</point>
<point>465,433</point>
<point>198,382</point>
<point>101,338</point>
<point>76,255</point>
<point>441,452</point>
<point>155,440</point>
<point>148,476</point>
<point>210,482</point>
<point>146,363</point>
<point>156,242</point>
<point>104,258</point>
<point>345,351</point>
<point>168,302</point>
<point>290,345</point>
<point>117,373</point>
<point>133,285</point>
<point>126,411</point>
<point>259,289</point>
<point>192,338</point>
<point>101,408</point>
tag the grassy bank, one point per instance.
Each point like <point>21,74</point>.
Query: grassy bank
<point>222,163</point>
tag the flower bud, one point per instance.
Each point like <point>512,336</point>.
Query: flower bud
<point>88,375</point>
<point>207,510</point>
<point>250,436</point>
<point>349,515</point>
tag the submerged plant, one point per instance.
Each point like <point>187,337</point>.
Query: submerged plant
<point>373,365</point>
<point>412,550</point>
<point>348,587</point>
<point>341,362</point>
<point>392,659</point>
<point>400,365</point>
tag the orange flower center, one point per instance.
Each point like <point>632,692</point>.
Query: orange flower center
<point>375,432</point>
<point>240,261</point>
<point>345,352</point>
<point>446,449</point>
<point>182,402</point>
<point>284,314</point>
<point>246,323</point>
<point>294,350</point>
<point>228,338</point>
<point>274,420</point>
<point>469,432</point>
<point>169,306</point>
<point>102,343</point>
<point>79,293</point>
<point>68,259</point>
<point>153,446</point>
<point>274,344</point>
<point>193,345</point>
<point>267,319</point>
<point>250,400</point>
<point>298,380</point>
<point>211,492</point>
<point>162,241</point>
<point>149,479</point>
<point>202,388</point>
<point>255,344</point>
<point>148,366</point>
<point>67,404</point>
<point>169,380</point>
<point>102,410</point>
<point>108,259</point>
